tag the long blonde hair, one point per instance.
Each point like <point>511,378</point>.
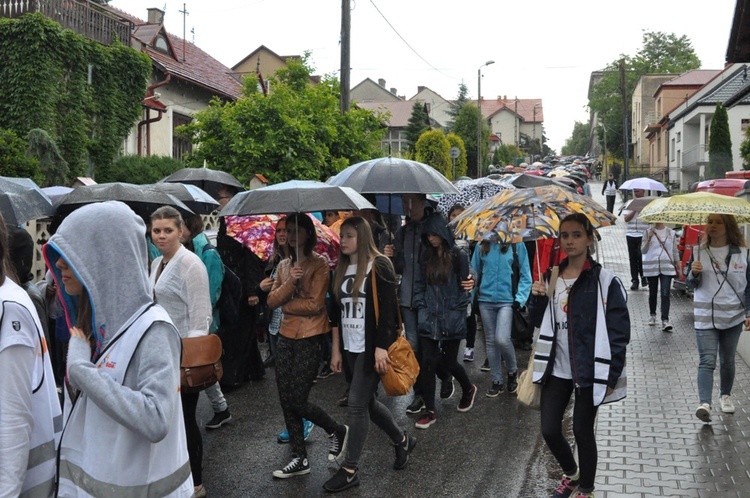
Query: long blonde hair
<point>366,251</point>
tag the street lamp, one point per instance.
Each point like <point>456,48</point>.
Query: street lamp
<point>479,121</point>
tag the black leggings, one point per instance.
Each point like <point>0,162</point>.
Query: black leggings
<point>193,435</point>
<point>439,355</point>
<point>297,364</point>
<point>471,330</point>
<point>556,394</point>
<point>636,258</point>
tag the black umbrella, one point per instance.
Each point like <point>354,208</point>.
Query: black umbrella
<point>296,196</point>
<point>22,200</point>
<point>141,199</point>
<point>192,196</point>
<point>392,175</point>
<point>210,180</point>
<point>533,181</point>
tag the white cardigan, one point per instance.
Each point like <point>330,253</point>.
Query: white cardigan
<point>182,290</point>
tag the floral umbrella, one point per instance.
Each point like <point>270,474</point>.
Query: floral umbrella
<point>471,191</point>
<point>527,214</point>
<point>693,209</point>
<point>257,233</point>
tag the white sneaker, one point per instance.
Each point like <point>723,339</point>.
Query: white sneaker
<point>704,412</point>
<point>726,404</point>
<point>666,326</point>
<point>652,320</point>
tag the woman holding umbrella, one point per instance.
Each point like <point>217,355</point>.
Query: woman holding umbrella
<point>719,275</point>
<point>584,330</point>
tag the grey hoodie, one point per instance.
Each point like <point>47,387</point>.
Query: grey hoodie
<point>105,245</point>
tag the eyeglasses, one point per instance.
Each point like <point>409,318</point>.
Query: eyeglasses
<point>223,197</point>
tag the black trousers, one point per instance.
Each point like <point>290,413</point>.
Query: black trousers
<point>611,203</point>
<point>193,435</point>
<point>439,359</point>
<point>636,259</point>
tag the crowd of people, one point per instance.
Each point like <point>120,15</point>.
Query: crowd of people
<point>105,327</point>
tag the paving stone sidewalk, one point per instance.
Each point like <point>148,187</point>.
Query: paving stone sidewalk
<point>651,443</point>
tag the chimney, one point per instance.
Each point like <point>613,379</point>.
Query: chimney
<point>381,82</point>
<point>393,91</point>
<point>420,89</point>
<point>155,16</point>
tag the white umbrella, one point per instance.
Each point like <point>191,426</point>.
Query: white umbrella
<point>643,184</point>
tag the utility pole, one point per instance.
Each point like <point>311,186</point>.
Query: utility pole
<point>346,28</point>
<point>184,13</point>
<point>624,94</point>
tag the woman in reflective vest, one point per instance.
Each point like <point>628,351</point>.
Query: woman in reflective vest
<point>721,305</point>
<point>124,432</point>
<point>30,418</point>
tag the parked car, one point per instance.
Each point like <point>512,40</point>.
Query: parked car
<point>735,181</point>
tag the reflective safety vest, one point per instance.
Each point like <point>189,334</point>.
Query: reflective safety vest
<point>718,301</point>
<point>100,457</point>
<point>657,260</point>
<point>39,481</point>
<point>610,188</point>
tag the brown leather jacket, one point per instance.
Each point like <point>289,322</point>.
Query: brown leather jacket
<point>304,304</point>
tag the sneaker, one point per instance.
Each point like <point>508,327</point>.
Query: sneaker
<point>199,492</point>
<point>268,362</point>
<point>567,486</point>
<point>666,326</point>
<point>337,446</point>
<point>344,400</point>
<point>495,390</point>
<point>297,467</point>
<point>219,419</point>
<point>634,286</point>
<point>652,320</point>
<point>325,372</point>
<point>512,383</point>
<point>467,400</point>
<point>308,426</point>
<point>447,388</point>
<point>486,365</point>
<point>403,449</point>
<point>644,282</point>
<point>726,404</point>
<point>469,354</point>
<point>416,406</point>
<point>704,412</point>
<point>342,480</point>
<point>426,421</point>
<point>584,494</point>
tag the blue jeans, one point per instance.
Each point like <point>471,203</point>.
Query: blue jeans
<point>711,342</point>
<point>497,320</point>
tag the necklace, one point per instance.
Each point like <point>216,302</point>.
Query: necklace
<point>567,285</point>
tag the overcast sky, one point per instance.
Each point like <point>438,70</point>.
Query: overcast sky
<point>543,49</point>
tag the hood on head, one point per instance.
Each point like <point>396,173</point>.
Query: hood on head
<point>435,223</point>
<point>105,245</point>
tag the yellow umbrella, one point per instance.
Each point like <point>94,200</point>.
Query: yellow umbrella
<point>694,209</point>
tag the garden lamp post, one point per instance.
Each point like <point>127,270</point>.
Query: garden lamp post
<point>479,120</point>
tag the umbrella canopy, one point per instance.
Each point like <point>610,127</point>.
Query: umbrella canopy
<point>530,181</point>
<point>143,201</point>
<point>56,193</point>
<point>300,196</point>
<point>694,209</point>
<point>22,200</point>
<point>210,180</point>
<point>471,191</point>
<point>258,232</point>
<point>643,184</point>
<point>557,173</point>
<point>637,204</point>
<point>192,196</point>
<point>527,214</point>
<point>392,175</point>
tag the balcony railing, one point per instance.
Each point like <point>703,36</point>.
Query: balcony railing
<point>82,16</point>
<point>694,156</point>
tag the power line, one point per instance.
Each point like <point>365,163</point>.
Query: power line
<point>407,43</point>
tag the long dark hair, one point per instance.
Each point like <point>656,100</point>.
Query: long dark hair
<point>5,267</point>
<point>582,220</point>
<point>301,220</point>
<point>438,262</point>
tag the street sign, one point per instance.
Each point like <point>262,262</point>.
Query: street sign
<point>455,152</point>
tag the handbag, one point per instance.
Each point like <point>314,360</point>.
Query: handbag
<point>528,393</point>
<point>200,366</point>
<point>403,368</point>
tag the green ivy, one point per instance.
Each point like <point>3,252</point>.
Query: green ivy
<point>45,85</point>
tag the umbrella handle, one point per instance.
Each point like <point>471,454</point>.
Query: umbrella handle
<point>538,263</point>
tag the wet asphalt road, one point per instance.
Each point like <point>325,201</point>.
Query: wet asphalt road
<point>493,450</point>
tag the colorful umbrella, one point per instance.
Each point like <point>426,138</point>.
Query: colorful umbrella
<point>693,209</point>
<point>257,233</point>
<point>527,214</point>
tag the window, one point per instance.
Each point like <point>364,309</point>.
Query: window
<point>180,146</point>
<point>161,45</point>
<point>679,136</point>
<point>671,150</point>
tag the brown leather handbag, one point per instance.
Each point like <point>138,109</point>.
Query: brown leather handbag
<point>403,367</point>
<point>200,366</point>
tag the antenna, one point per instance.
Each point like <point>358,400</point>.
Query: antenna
<point>192,31</point>
<point>184,13</point>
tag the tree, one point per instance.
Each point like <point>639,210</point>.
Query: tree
<point>295,132</point>
<point>433,149</point>
<point>138,169</point>
<point>455,107</point>
<point>466,128</point>
<point>43,148</point>
<point>578,143</point>
<point>13,159</point>
<point>506,154</point>
<point>460,162</point>
<point>719,144</point>
<point>745,150</point>
<point>419,122</point>
<point>660,53</point>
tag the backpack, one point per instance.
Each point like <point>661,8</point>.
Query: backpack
<point>229,300</point>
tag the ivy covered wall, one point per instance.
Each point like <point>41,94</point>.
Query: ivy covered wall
<point>44,83</point>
